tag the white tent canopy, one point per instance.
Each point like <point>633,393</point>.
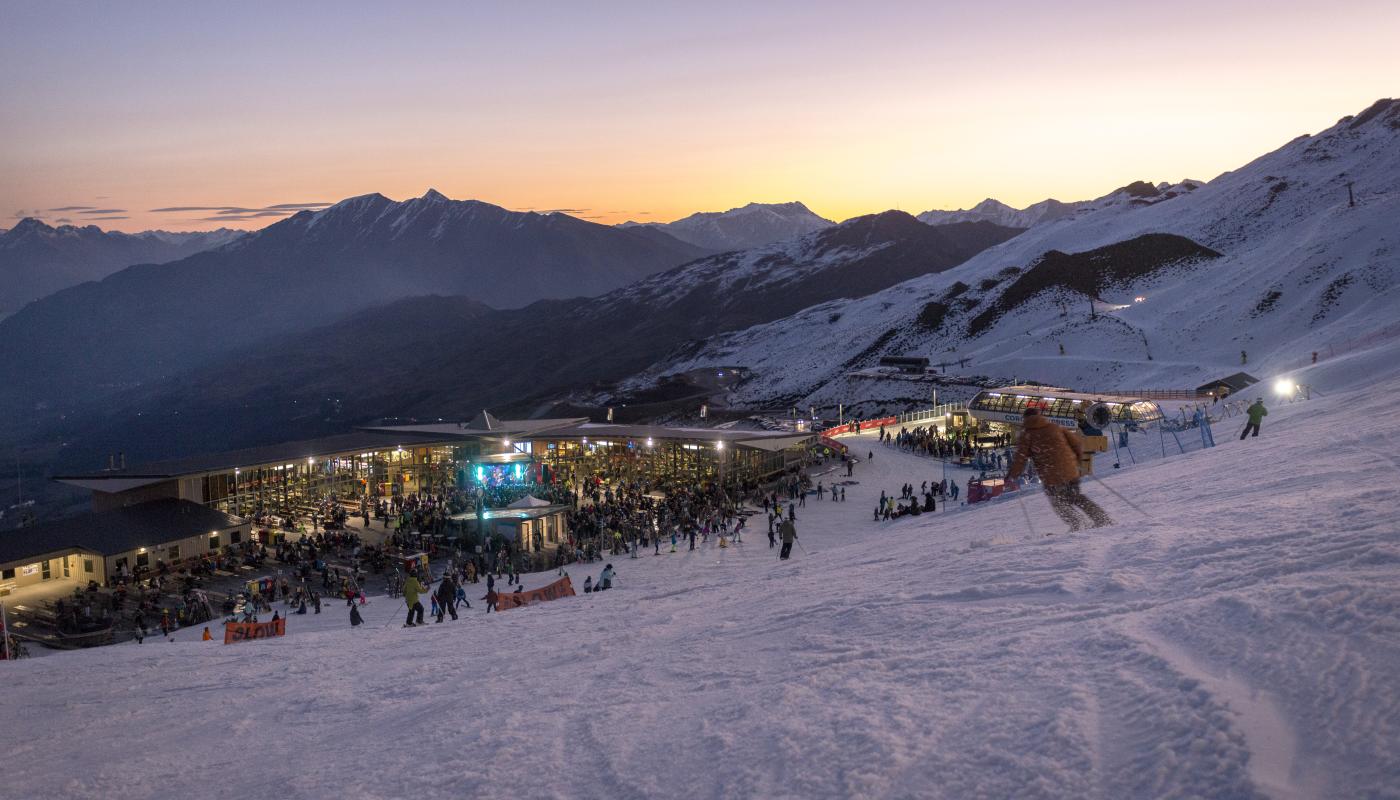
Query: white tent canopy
<point>529,501</point>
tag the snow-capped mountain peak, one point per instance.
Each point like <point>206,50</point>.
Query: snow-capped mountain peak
<point>748,226</point>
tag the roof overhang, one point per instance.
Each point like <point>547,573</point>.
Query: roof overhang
<point>114,485</point>
<point>775,444</point>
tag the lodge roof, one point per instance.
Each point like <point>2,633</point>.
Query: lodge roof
<point>1236,382</point>
<point>281,453</point>
<point>116,531</point>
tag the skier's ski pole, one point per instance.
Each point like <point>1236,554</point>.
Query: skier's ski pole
<point>1022,502</point>
<point>799,545</point>
<point>403,603</point>
<point>1115,493</point>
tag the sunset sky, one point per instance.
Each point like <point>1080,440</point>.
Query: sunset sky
<point>651,111</point>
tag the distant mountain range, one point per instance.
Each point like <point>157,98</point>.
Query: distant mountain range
<point>753,225</point>
<point>37,259</point>
<point>990,210</point>
<point>442,356</point>
<point>150,321</point>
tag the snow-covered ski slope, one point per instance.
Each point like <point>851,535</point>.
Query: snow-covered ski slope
<point>1301,270</point>
<point>1241,639</point>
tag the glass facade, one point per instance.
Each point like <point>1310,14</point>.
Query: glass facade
<point>1012,403</point>
<point>298,485</point>
<point>661,461</point>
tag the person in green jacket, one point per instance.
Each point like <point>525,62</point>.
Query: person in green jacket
<point>411,589</point>
<point>1256,413</point>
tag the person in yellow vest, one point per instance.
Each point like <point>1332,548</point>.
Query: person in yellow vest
<point>411,589</point>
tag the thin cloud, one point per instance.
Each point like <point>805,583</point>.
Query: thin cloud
<point>239,210</point>
<point>74,208</point>
<point>64,221</point>
<point>89,219</point>
<point>104,211</point>
<point>36,214</point>
<point>224,216</point>
<point>573,211</point>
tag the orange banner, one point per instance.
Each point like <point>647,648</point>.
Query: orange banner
<point>554,591</point>
<point>243,631</point>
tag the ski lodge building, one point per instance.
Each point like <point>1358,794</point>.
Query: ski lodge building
<point>184,508</point>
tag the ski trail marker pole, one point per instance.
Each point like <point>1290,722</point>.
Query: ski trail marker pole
<point>1115,493</point>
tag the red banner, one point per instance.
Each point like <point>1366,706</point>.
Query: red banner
<point>554,591</point>
<point>857,427</point>
<point>243,631</point>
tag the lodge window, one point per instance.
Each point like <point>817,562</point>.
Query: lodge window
<point>143,559</point>
<point>47,573</point>
<point>235,537</point>
<point>66,568</point>
<point>87,565</point>
<point>214,542</point>
<point>173,553</point>
<point>8,574</point>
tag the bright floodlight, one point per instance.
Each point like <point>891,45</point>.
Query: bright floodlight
<point>648,442</point>
<point>1284,387</point>
<point>719,445</point>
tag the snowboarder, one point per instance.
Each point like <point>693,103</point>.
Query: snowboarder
<point>1055,453</point>
<point>1256,413</point>
<point>355,618</point>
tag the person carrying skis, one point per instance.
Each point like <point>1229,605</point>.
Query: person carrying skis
<point>1055,453</point>
<point>1256,413</point>
<point>789,534</point>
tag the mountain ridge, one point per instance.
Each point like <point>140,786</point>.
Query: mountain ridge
<point>1300,270</point>
<point>743,227</point>
<point>38,259</point>
<point>151,320</point>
